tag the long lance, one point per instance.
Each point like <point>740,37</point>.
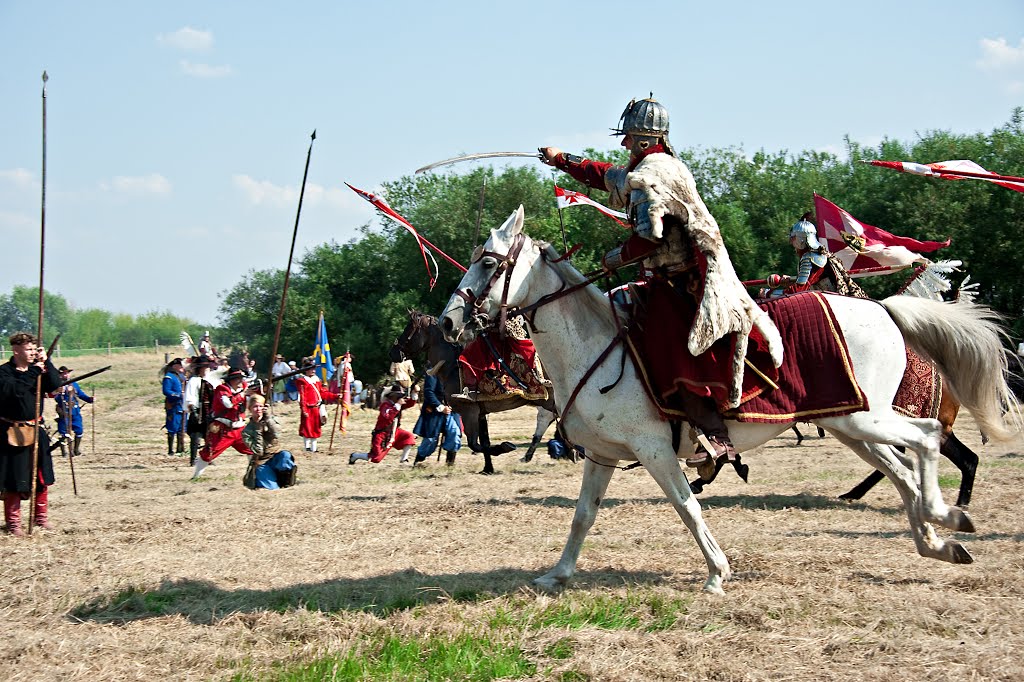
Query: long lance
<point>288,271</point>
<point>480,212</point>
<point>93,411</point>
<point>859,272</point>
<point>39,326</point>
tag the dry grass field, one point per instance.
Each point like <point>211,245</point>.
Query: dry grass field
<point>382,572</point>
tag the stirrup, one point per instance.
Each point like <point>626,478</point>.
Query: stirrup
<point>466,395</point>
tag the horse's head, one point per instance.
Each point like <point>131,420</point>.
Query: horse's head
<point>492,284</point>
<point>414,339</point>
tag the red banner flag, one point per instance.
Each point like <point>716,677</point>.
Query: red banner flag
<point>381,205</point>
<point>566,197</point>
<point>954,170</point>
<point>859,245</point>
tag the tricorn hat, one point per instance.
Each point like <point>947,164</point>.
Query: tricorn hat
<point>234,374</point>
<point>201,361</point>
<point>64,368</point>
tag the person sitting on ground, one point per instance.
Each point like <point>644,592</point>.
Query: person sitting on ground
<point>387,434</point>
<point>269,467</point>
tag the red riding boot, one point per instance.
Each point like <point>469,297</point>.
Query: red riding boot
<point>12,514</point>
<point>42,508</point>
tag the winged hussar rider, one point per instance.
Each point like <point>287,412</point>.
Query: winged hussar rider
<point>694,296</point>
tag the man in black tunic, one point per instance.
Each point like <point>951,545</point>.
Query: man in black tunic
<point>17,418</point>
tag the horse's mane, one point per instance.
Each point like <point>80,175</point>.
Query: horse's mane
<point>597,305</point>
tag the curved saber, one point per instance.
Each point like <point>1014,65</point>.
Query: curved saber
<point>474,157</point>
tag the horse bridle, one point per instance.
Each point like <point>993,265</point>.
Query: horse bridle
<point>506,263</point>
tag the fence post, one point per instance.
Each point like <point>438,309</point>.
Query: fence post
<point>156,346</point>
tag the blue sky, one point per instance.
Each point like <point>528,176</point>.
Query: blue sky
<point>177,132</point>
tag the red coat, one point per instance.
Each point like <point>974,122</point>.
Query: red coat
<point>386,434</point>
<point>311,396</point>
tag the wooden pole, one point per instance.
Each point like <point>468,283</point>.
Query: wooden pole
<point>93,420</point>
<point>39,380</point>
<point>288,271</point>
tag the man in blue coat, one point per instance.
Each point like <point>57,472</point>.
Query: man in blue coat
<point>69,412</point>
<point>436,420</point>
<point>174,404</point>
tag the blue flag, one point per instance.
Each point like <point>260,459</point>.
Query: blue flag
<point>322,353</point>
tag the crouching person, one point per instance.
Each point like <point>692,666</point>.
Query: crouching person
<point>269,467</point>
<point>386,434</point>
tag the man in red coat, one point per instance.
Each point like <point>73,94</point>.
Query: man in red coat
<point>387,434</point>
<point>229,420</point>
<point>312,398</point>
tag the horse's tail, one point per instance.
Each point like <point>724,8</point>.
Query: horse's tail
<point>964,341</point>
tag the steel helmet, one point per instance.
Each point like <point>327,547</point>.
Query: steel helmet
<point>646,118</point>
<point>805,235</point>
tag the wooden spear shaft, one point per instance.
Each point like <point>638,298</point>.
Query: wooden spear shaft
<point>39,380</point>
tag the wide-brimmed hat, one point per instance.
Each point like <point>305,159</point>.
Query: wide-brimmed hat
<point>234,374</point>
<point>395,390</point>
<point>279,357</point>
<point>201,361</point>
<point>62,368</point>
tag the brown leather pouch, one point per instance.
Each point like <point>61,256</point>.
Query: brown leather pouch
<point>21,434</point>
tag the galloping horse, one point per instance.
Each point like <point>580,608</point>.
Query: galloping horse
<point>422,335</point>
<point>575,331</point>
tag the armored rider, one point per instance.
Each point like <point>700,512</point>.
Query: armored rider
<point>816,267</point>
<point>694,295</point>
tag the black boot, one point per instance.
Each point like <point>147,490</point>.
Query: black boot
<point>170,444</point>
<point>193,448</point>
<point>78,446</point>
<point>181,442</point>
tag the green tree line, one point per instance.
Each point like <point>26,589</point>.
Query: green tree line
<point>365,287</point>
<point>86,327</point>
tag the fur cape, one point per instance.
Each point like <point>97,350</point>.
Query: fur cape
<point>726,307</point>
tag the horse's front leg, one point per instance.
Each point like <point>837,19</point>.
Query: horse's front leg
<point>664,467</point>
<point>595,482</point>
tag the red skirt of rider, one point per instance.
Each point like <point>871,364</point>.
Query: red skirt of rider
<point>477,358</point>
<point>666,328</point>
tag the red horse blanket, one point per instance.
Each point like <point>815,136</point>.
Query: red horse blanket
<point>816,377</point>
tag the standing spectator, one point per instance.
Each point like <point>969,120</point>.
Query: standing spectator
<point>387,434</point>
<point>280,367</point>
<point>291,386</point>
<point>69,412</point>
<point>174,404</point>
<point>269,466</point>
<point>402,373</point>
<point>312,399</point>
<point>357,391</point>
<point>228,421</point>
<point>198,405</point>
<point>19,430</point>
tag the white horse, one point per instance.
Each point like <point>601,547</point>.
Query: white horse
<point>572,331</point>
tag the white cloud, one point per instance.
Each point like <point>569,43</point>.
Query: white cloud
<point>997,54</point>
<point>20,178</point>
<point>200,70</point>
<point>188,38</point>
<point>266,193</point>
<point>154,183</point>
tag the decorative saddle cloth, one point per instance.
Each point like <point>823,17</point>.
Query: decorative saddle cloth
<point>480,365</point>
<point>816,376</point>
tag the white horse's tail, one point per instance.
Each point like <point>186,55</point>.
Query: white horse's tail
<point>964,340</point>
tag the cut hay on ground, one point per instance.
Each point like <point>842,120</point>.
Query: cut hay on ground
<point>151,577</point>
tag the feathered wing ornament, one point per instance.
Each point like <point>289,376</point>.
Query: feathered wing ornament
<point>216,376</point>
<point>933,281</point>
<point>189,345</point>
<point>967,291</point>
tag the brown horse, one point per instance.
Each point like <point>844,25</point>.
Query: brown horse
<point>423,336</point>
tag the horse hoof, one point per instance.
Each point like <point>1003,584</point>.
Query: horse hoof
<point>549,585</point>
<point>714,586</point>
<point>742,470</point>
<point>697,487</point>
<point>960,555</point>
<point>964,523</point>
<point>526,459</point>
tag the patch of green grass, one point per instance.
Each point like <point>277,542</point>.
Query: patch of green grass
<point>647,612</point>
<point>573,676</point>
<point>386,657</point>
<point>560,650</point>
<point>949,480</point>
